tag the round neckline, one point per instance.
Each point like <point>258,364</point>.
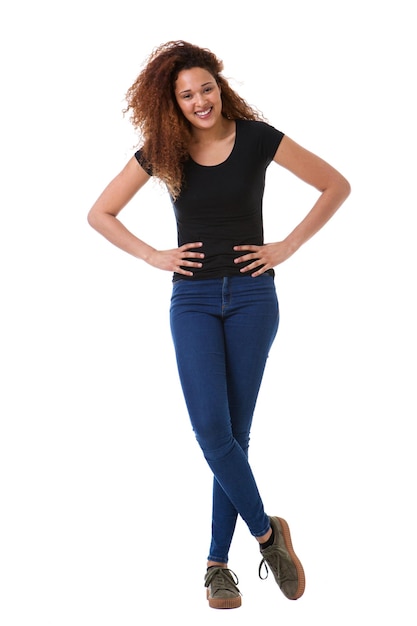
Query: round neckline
<point>229,156</point>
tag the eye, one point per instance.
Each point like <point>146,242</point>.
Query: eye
<point>208,89</point>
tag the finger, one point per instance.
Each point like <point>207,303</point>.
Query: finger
<point>192,255</point>
<point>181,270</point>
<point>185,263</point>
<point>188,246</point>
<point>256,265</point>
<point>246,257</point>
<point>246,246</point>
<point>259,271</point>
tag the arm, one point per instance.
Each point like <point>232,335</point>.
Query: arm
<point>314,171</point>
<point>103,218</point>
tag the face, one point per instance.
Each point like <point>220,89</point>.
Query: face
<point>198,96</point>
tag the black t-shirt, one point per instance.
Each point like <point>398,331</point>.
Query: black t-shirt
<point>221,205</point>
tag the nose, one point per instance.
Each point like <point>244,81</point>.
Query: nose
<point>199,99</point>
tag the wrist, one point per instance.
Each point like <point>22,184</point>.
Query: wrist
<point>291,244</point>
<point>146,254</point>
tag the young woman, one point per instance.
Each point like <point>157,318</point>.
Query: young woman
<point>211,150</point>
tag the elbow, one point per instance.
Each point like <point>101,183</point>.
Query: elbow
<point>342,188</point>
<point>346,188</point>
<point>92,219</point>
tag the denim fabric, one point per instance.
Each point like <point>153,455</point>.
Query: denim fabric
<point>222,331</point>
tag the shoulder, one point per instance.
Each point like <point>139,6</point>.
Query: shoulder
<point>261,136</point>
<point>258,130</point>
<point>143,162</point>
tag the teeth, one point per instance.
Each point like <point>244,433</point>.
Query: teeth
<point>203,113</point>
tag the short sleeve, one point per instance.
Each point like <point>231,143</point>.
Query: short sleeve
<point>271,138</point>
<point>139,156</point>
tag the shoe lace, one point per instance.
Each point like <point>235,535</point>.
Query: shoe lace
<point>222,578</point>
<point>281,554</point>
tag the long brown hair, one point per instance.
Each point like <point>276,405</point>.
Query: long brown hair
<point>154,111</point>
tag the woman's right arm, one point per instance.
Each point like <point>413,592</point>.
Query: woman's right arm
<point>103,214</point>
<point>103,218</point>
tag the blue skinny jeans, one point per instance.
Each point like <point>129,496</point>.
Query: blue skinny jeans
<point>222,331</point>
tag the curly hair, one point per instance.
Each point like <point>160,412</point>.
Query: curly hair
<point>155,114</point>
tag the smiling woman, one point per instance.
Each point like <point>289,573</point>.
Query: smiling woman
<point>165,130</point>
<point>199,98</point>
<point>198,95</point>
<point>212,150</point>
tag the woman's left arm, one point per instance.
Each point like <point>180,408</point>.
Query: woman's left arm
<point>314,171</point>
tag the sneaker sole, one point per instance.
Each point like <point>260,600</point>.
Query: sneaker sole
<point>300,571</point>
<point>223,603</point>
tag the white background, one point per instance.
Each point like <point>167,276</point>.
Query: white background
<point>105,496</point>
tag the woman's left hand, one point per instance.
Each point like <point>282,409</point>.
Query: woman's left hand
<point>262,258</point>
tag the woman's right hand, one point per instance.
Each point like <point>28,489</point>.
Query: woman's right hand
<point>178,259</point>
<point>103,217</point>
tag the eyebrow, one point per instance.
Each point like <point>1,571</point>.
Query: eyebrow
<point>209,82</point>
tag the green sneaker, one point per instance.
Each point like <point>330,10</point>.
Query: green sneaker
<point>283,562</point>
<point>222,592</point>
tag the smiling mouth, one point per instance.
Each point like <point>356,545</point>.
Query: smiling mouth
<point>203,114</point>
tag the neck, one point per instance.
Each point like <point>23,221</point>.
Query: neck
<point>220,131</point>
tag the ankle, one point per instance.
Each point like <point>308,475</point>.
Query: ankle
<point>268,540</point>
<point>216,564</point>
<point>266,537</point>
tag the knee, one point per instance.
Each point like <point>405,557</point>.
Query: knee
<point>242,439</point>
<point>214,447</point>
